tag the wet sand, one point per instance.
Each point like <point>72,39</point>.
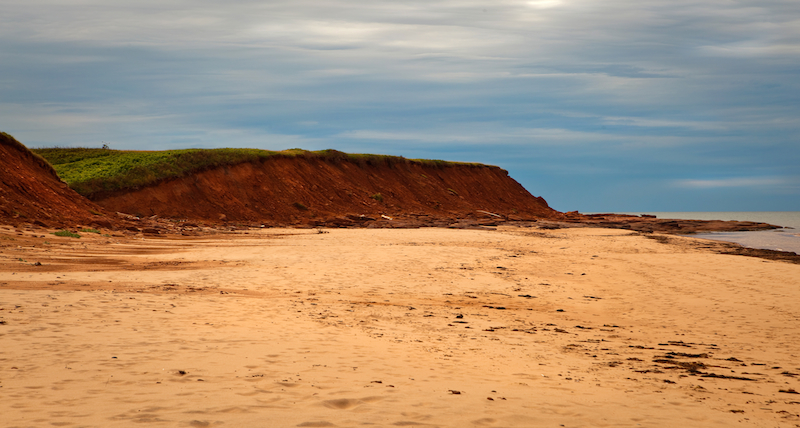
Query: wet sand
<point>515,327</point>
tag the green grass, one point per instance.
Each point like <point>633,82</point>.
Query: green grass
<point>66,233</point>
<point>91,171</point>
<point>88,230</point>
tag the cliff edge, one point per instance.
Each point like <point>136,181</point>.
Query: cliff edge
<point>335,191</point>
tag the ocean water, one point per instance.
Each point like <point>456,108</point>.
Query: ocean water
<point>786,239</point>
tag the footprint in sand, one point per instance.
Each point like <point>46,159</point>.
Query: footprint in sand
<point>342,403</point>
<point>348,403</point>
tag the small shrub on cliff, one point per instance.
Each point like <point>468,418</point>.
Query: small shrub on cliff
<point>66,233</point>
<point>378,197</point>
<point>300,206</point>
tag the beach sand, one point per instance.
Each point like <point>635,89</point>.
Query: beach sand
<point>514,327</point>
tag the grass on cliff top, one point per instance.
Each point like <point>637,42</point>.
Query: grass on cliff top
<point>98,170</point>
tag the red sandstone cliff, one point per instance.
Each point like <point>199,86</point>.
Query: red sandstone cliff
<point>31,192</point>
<point>339,191</point>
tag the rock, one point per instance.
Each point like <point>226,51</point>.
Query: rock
<point>338,222</point>
<point>102,223</point>
<point>360,218</point>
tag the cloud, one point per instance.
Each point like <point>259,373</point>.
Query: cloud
<point>731,182</point>
<point>480,134</point>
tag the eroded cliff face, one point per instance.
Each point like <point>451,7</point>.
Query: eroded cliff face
<point>302,191</point>
<point>313,191</point>
<point>31,192</point>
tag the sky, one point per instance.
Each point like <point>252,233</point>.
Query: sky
<point>597,106</point>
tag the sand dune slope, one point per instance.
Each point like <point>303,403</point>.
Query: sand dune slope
<point>517,327</point>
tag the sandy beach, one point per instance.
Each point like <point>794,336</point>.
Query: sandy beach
<point>432,327</point>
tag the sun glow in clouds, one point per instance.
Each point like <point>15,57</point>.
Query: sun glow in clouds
<point>544,4</point>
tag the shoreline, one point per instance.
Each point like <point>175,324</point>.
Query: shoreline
<point>786,239</point>
<point>783,240</point>
<point>517,327</point>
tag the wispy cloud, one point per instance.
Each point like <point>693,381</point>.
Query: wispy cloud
<point>731,182</point>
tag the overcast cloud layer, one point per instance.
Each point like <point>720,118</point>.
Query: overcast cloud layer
<point>595,105</point>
